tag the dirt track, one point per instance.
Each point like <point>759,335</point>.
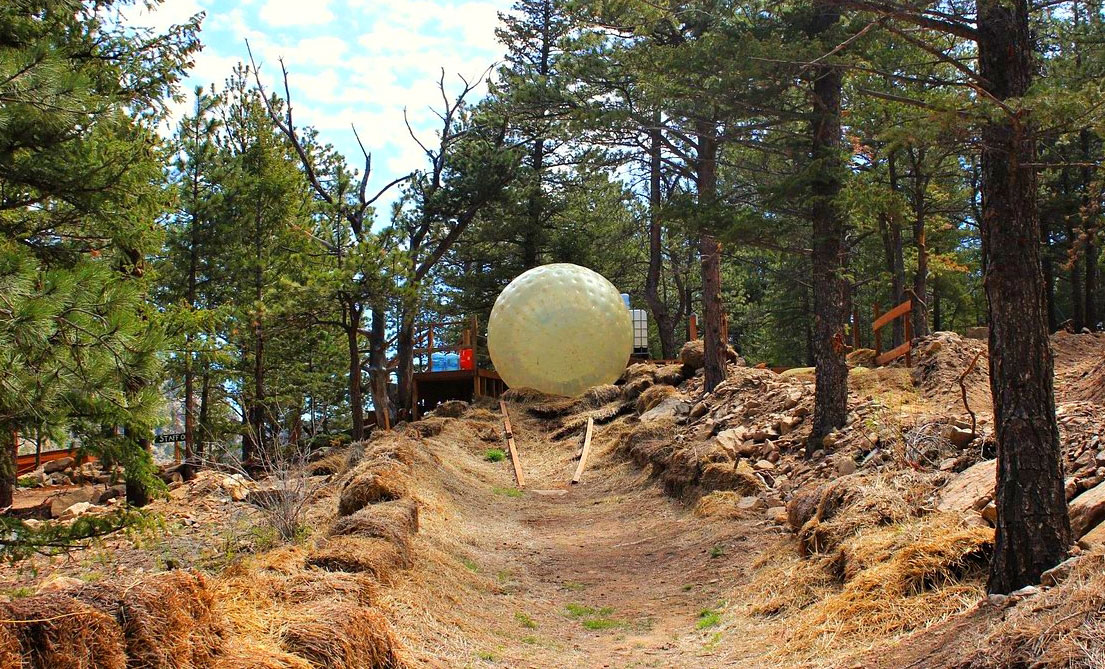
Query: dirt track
<point>609,573</point>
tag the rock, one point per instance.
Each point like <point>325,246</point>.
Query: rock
<point>699,410</point>
<point>59,465</point>
<point>113,492</point>
<point>959,437</point>
<point>58,584</point>
<point>787,424</point>
<point>1026,591</point>
<point>1087,510</point>
<point>62,502</point>
<point>451,409</point>
<point>998,601</point>
<point>693,355</point>
<point>748,448</point>
<point>792,400</point>
<point>830,440</point>
<point>861,357</point>
<point>969,490</point>
<point>973,519</point>
<point>751,503</point>
<point>1085,461</point>
<point>237,486</point>
<point>74,510</point>
<point>1099,458</point>
<point>668,409</point>
<point>1093,539</point>
<point>763,465</point>
<point>1070,487</point>
<point>990,513</point>
<point>777,514</point>
<point>947,464</point>
<point>844,465</point>
<point>1059,572</point>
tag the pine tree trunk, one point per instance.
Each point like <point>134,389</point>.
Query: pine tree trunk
<point>356,397</point>
<point>9,451</point>
<point>709,250</point>
<point>1091,254</point>
<point>1033,530</point>
<point>920,243</point>
<point>1077,295</point>
<point>405,361</point>
<point>829,285</point>
<point>205,403</point>
<point>891,229</point>
<point>665,325</point>
<point>378,369</point>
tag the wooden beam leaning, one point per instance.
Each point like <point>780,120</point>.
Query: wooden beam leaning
<point>518,476</point>
<point>586,450</point>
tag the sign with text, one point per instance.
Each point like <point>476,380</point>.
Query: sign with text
<point>169,438</point>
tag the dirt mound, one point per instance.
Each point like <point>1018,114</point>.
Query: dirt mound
<point>940,359</point>
<point>1079,367</point>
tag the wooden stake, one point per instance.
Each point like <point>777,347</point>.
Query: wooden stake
<point>518,477</point>
<point>586,450</point>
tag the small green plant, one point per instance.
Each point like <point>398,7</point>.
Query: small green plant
<point>601,623</point>
<point>22,591</point>
<point>486,655</point>
<point>529,638</point>
<point>592,618</point>
<point>687,587</point>
<point>579,610</point>
<point>573,586</point>
<point>509,492</point>
<point>471,565</point>
<point>717,551</point>
<point>525,621</point>
<point>707,618</point>
<point>494,455</point>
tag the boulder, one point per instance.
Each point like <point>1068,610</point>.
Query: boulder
<point>1093,539</point>
<point>1087,510</point>
<point>972,489</point>
<point>669,409</point>
<point>693,355</point>
<point>1059,572</point>
<point>75,510</point>
<point>59,465</point>
<point>60,503</point>
<point>112,492</point>
<point>751,503</point>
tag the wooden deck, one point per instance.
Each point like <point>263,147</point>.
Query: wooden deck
<point>433,388</point>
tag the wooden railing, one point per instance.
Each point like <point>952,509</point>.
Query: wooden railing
<point>902,310</point>
<point>427,346</point>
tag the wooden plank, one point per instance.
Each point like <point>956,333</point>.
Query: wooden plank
<point>586,450</point>
<point>518,477</point>
<point>892,354</point>
<point>900,310</point>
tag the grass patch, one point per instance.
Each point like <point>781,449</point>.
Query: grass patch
<point>486,656</point>
<point>494,455</point>
<point>508,492</point>
<point>471,565</point>
<point>573,586</point>
<point>525,621</point>
<point>592,618</point>
<point>687,587</point>
<point>529,639</point>
<point>707,618</point>
<point>579,610</point>
<point>717,551</point>
<point>602,623</point>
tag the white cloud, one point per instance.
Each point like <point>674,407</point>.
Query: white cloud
<point>288,13</point>
<point>161,17</point>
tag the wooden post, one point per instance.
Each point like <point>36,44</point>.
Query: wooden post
<point>518,477</point>
<point>586,450</point>
<point>908,338</point>
<point>692,327</point>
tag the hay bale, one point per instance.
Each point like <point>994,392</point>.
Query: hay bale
<point>599,395</point>
<point>378,558</point>
<point>335,462</point>
<point>9,646</point>
<point>339,635</point>
<point>427,427</point>
<point>653,396</point>
<point>633,389</point>
<point>56,631</point>
<point>725,476</point>
<point>848,506</point>
<point>451,409</point>
<point>553,407</point>
<point>380,481</point>
<point>395,521</point>
<point>525,396</point>
<point>671,375</point>
<point>311,586</point>
<point>168,620</point>
<point>244,654</point>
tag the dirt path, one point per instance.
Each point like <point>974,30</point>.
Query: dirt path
<point>609,573</point>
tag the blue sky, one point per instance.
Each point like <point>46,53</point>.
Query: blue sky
<point>350,61</point>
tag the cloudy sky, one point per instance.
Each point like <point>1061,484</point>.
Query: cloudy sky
<point>350,61</point>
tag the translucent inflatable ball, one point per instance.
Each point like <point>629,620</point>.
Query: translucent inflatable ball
<point>560,329</point>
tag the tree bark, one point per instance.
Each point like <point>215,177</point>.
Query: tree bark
<point>919,314</point>
<point>356,397</point>
<point>405,361</point>
<point>378,368</point>
<point>709,250</point>
<point>890,228</point>
<point>829,285</point>
<point>1033,530</point>
<point>1090,230</point>
<point>665,324</point>
<point>9,451</point>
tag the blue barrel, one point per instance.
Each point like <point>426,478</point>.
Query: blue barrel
<point>437,362</point>
<point>452,362</point>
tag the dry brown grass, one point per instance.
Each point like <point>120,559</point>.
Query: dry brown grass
<point>59,632</point>
<point>653,396</point>
<point>355,555</point>
<point>395,520</point>
<point>719,504</point>
<point>1062,627</point>
<point>340,635</point>
<point>9,647</point>
<point>379,480</point>
<point>168,619</point>
<point>332,463</point>
<point>905,576</point>
<point>248,654</point>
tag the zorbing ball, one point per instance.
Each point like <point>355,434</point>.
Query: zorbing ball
<point>560,329</point>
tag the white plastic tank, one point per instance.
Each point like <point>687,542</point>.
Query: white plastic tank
<point>640,331</point>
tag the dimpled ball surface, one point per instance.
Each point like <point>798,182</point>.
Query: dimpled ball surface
<point>560,329</point>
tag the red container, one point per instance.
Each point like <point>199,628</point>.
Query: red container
<point>467,359</point>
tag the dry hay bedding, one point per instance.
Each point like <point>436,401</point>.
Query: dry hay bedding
<point>395,520</point>
<point>338,635</point>
<point>379,480</point>
<point>56,631</point>
<point>352,554</point>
